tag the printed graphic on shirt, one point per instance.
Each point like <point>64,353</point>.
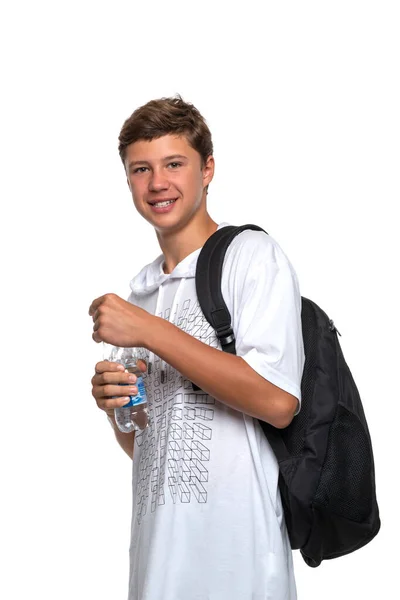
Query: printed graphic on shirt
<point>174,450</point>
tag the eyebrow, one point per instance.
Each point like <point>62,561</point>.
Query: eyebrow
<point>165,158</point>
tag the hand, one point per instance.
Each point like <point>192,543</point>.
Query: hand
<point>118,322</point>
<point>105,389</point>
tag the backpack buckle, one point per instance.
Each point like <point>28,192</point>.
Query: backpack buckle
<point>225,335</point>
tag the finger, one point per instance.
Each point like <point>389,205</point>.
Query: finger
<point>112,403</point>
<point>111,396</point>
<point>107,365</point>
<point>116,391</point>
<point>96,316</point>
<point>95,305</point>
<point>96,338</point>
<point>101,379</point>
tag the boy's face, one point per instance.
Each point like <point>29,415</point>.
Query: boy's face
<point>163,170</point>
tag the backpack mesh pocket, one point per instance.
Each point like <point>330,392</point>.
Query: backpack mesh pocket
<point>345,484</point>
<point>294,435</point>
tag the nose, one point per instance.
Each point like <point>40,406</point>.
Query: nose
<point>158,181</point>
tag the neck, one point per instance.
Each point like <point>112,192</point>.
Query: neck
<point>177,245</point>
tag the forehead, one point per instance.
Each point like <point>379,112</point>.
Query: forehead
<point>159,148</point>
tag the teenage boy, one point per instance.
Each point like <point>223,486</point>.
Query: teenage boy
<point>207,519</point>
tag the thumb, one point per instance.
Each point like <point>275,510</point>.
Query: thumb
<point>142,365</point>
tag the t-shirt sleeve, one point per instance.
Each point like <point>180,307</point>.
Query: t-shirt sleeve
<point>261,291</point>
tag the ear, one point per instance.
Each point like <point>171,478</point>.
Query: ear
<point>208,171</point>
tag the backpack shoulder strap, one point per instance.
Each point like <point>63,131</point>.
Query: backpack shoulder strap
<point>208,283</point>
<point>212,303</point>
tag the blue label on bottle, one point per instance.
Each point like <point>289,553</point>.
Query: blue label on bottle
<point>140,397</point>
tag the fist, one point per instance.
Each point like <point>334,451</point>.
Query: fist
<point>118,322</point>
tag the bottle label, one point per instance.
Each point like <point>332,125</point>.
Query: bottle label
<point>140,397</point>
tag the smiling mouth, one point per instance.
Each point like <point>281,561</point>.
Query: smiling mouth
<point>162,203</point>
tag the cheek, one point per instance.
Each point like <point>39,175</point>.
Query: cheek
<point>137,197</point>
<point>193,184</point>
<point>136,189</point>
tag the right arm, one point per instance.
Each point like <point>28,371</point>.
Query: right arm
<point>106,390</point>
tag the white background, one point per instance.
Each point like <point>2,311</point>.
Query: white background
<point>303,102</point>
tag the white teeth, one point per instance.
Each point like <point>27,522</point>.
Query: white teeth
<point>167,203</point>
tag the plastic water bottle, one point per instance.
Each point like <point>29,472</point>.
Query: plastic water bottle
<point>134,415</point>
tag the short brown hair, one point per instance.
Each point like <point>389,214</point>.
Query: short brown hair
<point>167,116</point>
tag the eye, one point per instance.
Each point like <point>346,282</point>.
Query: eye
<point>174,165</point>
<point>140,170</point>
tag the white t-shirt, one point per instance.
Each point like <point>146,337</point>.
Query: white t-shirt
<point>207,521</point>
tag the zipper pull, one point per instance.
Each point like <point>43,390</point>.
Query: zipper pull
<point>332,327</point>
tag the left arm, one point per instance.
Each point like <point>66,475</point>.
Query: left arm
<point>226,377</point>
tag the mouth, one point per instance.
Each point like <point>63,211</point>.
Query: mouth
<point>163,203</point>
<point>166,205</point>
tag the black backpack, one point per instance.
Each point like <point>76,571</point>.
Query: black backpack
<point>326,465</point>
